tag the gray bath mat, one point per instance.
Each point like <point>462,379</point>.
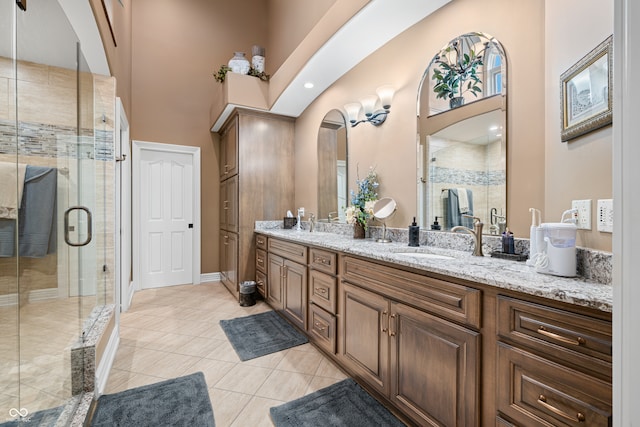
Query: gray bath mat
<point>182,401</point>
<point>341,404</point>
<point>261,334</point>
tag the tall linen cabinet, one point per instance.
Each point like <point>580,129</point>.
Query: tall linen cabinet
<point>256,184</point>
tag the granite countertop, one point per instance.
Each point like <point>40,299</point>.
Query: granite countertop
<point>505,274</point>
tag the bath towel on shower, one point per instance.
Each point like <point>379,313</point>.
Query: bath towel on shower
<point>463,201</point>
<point>12,179</point>
<point>454,217</point>
<point>36,218</point>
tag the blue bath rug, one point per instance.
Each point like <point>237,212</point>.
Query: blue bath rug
<point>182,401</point>
<point>261,334</point>
<point>342,404</point>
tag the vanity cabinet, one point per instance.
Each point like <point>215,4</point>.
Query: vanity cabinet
<point>287,280</point>
<point>394,336</point>
<point>554,366</point>
<point>323,298</point>
<point>444,351</point>
<point>251,188</point>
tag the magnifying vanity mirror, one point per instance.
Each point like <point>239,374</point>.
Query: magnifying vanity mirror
<point>462,138</point>
<point>332,167</point>
<point>383,209</point>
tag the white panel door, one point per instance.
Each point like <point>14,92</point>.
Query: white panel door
<point>166,218</point>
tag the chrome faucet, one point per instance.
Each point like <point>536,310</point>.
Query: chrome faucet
<point>476,233</point>
<point>312,223</point>
<point>332,218</point>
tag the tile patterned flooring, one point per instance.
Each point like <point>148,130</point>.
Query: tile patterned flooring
<point>174,331</point>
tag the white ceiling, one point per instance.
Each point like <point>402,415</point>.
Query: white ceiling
<point>372,27</point>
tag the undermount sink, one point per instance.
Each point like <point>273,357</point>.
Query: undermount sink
<point>423,255</point>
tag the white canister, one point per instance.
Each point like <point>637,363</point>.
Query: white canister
<point>257,58</point>
<point>239,64</point>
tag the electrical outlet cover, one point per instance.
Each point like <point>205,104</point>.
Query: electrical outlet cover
<point>583,219</point>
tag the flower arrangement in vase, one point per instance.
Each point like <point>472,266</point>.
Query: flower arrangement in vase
<point>361,208</point>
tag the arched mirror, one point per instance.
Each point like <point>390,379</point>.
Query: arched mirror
<point>462,138</point>
<point>332,167</point>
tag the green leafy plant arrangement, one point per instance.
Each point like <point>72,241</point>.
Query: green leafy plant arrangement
<point>221,74</point>
<point>451,75</point>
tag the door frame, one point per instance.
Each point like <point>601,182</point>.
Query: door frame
<point>124,283</point>
<point>138,147</point>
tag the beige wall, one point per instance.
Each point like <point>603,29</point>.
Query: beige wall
<point>289,23</point>
<point>392,146</point>
<point>175,50</point>
<point>581,168</point>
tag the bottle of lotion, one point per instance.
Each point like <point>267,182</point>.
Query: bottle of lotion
<point>533,236</point>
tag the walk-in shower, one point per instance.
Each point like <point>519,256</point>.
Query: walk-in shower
<point>56,212</point>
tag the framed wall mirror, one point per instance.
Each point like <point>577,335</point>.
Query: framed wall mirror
<point>462,136</point>
<point>332,167</point>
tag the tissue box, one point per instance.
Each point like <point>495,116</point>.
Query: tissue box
<point>289,222</point>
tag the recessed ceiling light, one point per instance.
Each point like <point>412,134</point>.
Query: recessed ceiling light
<point>308,85</point>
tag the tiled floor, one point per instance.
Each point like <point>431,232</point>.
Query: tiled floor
<point>174,331</point>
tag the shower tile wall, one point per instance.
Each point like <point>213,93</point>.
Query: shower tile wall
<point>473,170</point>
<point>49,319</point>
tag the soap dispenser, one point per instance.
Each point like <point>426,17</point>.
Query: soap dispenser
<point>436,225</point>
<point>414,233</point>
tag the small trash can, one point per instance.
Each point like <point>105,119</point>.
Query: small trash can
<point>247,293</point>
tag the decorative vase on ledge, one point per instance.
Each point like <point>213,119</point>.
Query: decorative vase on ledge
<point>358,231</point>
<point>456,101</point>
<point>239,64</point>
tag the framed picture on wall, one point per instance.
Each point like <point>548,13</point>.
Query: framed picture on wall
<point>587,92</point>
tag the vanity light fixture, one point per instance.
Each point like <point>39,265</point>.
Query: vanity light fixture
<point>368,104</point>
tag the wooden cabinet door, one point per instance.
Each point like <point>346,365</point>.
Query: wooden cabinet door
<point>229,204</point>
<point>435,368</point>
<point>274,282</point>
<point>295,293</point>
<point>229,261</point>
<point>364,340</point>
<point>229,150</point>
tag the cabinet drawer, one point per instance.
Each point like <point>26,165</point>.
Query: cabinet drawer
<point>531,389</point>
<point>322,328</point>
<point>322,290</point>
<point>261,241</point>
<point>292,251</point>
<point>261,283</point>
<point>567,337</point>
<point>453,301</point>
<point>261,260</point>
<point>323,260</point>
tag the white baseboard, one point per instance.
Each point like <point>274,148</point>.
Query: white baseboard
<point>106,362</point>
<point>43,294</point>
<point>8,300</point>
<point>210,277</point>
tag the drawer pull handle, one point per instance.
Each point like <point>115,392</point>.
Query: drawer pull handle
<point>321,290</point>
<point>319,326</point>
<point>579,417</point>
<point>577,341</point>
<point>321,260</point>
<point>384,323</point>
<point>260,261</point>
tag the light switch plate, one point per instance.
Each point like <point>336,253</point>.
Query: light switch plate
<point>583,219</point>
<point>605,215</point>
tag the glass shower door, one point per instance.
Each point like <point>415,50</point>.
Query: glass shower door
<point>51,268</point>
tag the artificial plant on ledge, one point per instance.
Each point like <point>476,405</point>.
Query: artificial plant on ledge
<point>454,69</point>
<point>221,74</point>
